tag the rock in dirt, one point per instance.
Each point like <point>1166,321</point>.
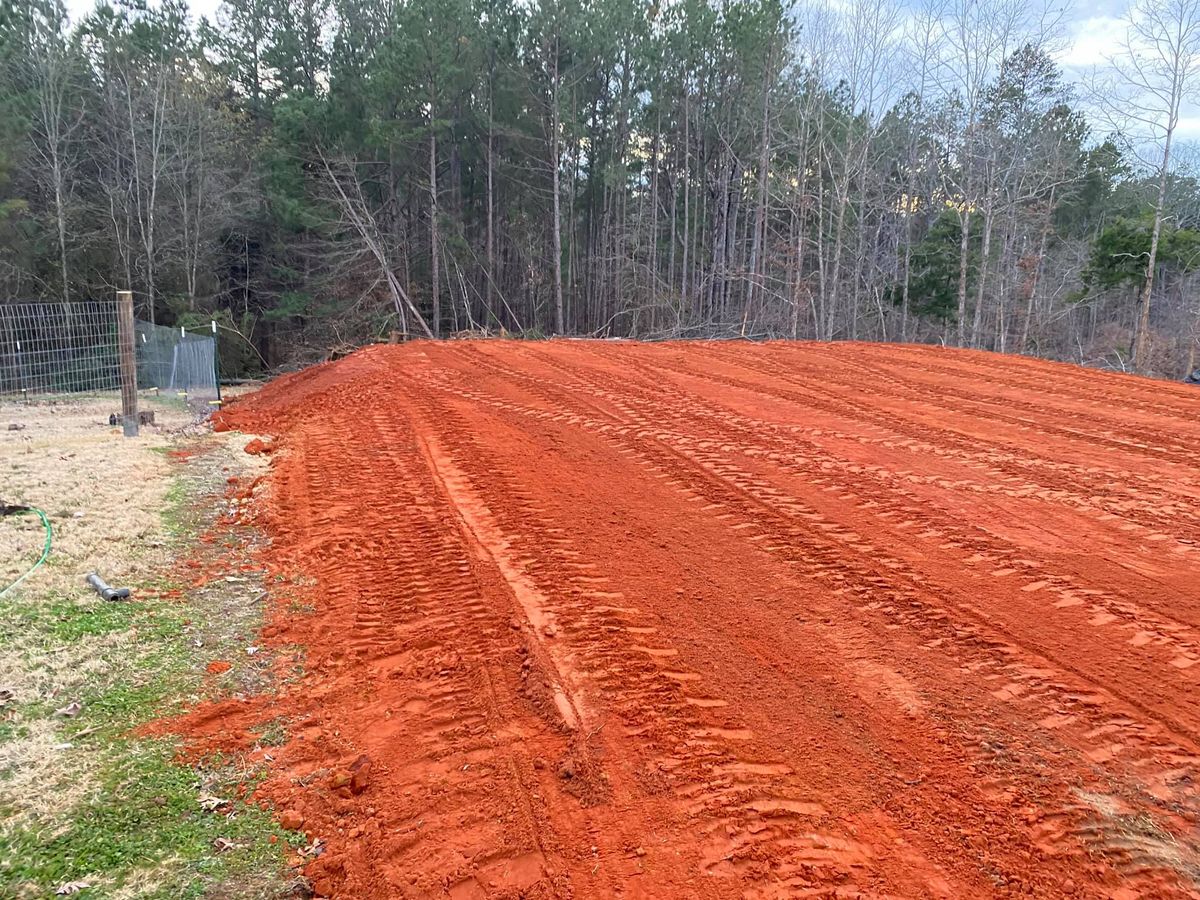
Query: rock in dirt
<point>360,777</point>
<point>291,820</point>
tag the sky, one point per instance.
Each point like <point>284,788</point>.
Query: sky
<point>1095,37</point>
<point>1091,33</point>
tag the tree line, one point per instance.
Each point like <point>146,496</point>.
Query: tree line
<point>320,173</point>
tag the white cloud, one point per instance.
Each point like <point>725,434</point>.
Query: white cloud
<point>1189,128</point>
<point>1093,42</point>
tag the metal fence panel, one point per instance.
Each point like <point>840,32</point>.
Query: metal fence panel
<point>61,348</point>
<point>58,348</point>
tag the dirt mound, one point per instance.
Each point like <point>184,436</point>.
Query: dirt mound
<point>569,619</point>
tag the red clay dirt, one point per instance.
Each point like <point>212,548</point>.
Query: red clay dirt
<point>730,620</point>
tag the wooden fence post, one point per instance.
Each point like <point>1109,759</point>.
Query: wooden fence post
<point>128,363</point>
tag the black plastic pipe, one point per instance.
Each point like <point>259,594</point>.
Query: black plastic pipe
<point>101,587</point>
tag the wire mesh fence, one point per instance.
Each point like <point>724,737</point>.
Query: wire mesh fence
<point>49,349</point>
<point>58,348</point>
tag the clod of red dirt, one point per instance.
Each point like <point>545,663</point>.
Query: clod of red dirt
<point>257,446</point>
<point>716,620</point>
<point>217,666</point>
<point>291,820</point>
<point>360,775</point>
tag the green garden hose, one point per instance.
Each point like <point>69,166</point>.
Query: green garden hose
<point>8,510</point>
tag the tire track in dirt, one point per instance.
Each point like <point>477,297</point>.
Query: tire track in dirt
<point>416,614</point>
<point>789,451</point>
<point>1071,383</point>
<point>1102,427</point>
<point>1016,672</point>
<point>805,458</point>
<point>1166,633</point>
<point>685,621</point>
<point>759,823</point>
<point>1135,572</point>
<point>1022,457</point>
<point>1020,461</point>
<point>1117,416</point>
<point>411,665</point>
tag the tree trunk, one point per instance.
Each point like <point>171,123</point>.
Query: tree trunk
<point>61,221</point>
<point>556,225</point>
<point>800,225</point>
<point>687,193</point>
<point>434,286</point>
<point>654,166</point>
<point>985,250</point>
<point>964,254</point>
<point>490,286</point>
<point>835,276</point>
<point>1036,278</point>
<point>1141,342</point>
<point>758,248</point>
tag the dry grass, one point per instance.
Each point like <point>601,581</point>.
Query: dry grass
<point>104,494</point>
<point>116,506</point>
<point>102,491</point>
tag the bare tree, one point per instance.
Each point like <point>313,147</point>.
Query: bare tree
<point>52,75</point>
<point>978,38</point>
<point>1156,68</point>
<point>921,48</point>
<point>358,215</point>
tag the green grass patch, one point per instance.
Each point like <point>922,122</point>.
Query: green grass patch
<point>144,812</point>
<point>178,519</point>
<point>140,826</point>
<point>58,620</point>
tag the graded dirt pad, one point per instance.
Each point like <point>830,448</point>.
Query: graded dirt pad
<point>731,620</point>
